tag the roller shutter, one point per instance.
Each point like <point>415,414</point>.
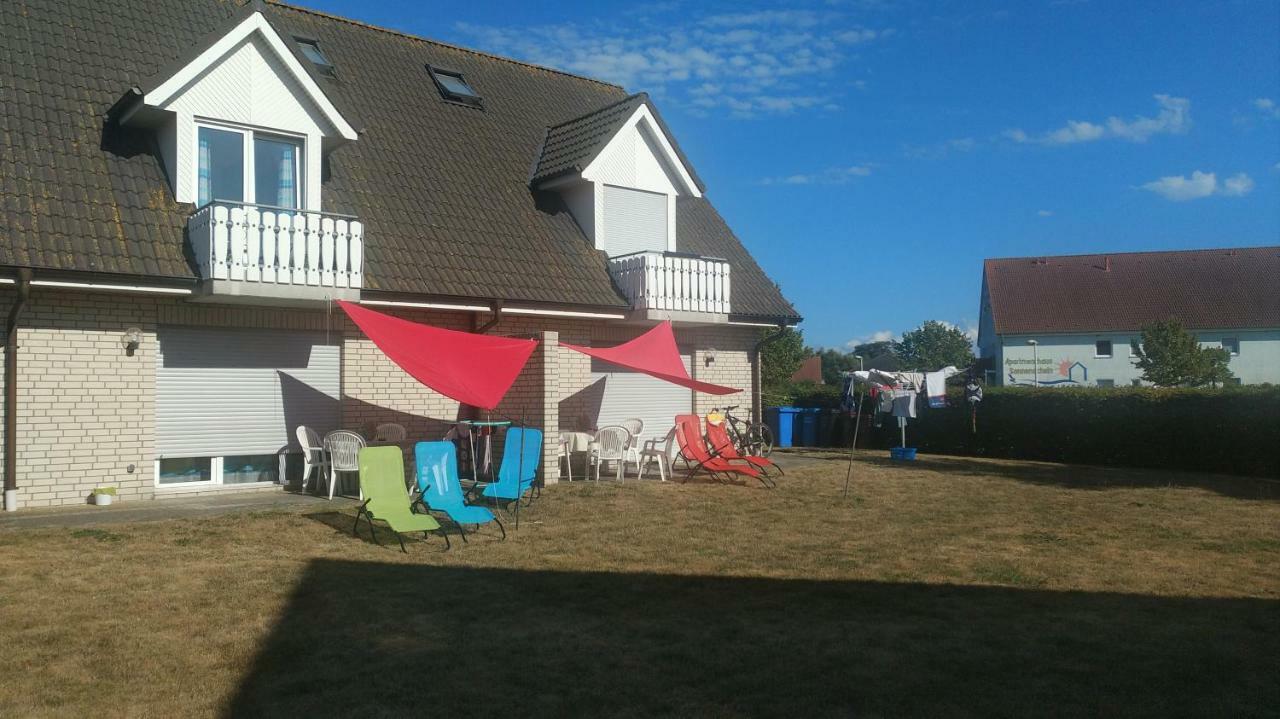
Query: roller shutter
<point>625,394</point>
<point>229,391</point>
<point>634,221</point>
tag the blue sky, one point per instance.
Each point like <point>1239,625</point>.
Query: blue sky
<point>871,153</point>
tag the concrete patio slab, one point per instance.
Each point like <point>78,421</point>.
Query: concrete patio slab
<point>177,508</point>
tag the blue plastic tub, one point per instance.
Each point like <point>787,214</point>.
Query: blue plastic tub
<point>904,454</point>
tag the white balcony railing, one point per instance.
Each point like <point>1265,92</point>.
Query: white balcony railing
<point>673,281</point>
<point>277,247</point>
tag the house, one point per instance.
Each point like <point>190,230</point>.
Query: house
<point>810,370</point>
<point>1070,321</point>
<point>188,186</point>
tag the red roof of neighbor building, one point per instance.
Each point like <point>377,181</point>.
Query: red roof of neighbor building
<point>810,371</point>
<point>1205,289</point>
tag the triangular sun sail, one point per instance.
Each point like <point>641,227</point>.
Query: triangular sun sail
<point>470,368</point>
<point>653,353</point>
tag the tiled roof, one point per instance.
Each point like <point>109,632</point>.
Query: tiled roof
<point>1205,289</point>
<point>571,145</point>
<point>442,188</point>
<point>752,294</point>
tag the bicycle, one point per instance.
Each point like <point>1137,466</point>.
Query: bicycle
<point>749,438</point>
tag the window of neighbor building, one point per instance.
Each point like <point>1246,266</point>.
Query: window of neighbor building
<point>1106,383</point>
<point>453,86</point>
<point>1102,348</point>
<point>1136,383</point>
<point>243,165</point>
<point>1232,345</point>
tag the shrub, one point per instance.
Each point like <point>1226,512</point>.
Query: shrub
<point>1233,430</point>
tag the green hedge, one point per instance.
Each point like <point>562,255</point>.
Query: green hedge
<point>1235,430</point>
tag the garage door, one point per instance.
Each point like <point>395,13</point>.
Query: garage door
<point>239,393</point>
<point>625,394</point>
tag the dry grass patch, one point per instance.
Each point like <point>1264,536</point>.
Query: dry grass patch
<point>953,586</point>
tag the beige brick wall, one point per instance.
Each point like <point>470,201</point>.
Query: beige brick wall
<point>86,409</point>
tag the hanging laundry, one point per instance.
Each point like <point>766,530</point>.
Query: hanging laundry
<point>885,401</point>
<point>936,387</point>
<point>904,403</point>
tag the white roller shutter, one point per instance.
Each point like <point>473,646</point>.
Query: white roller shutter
<point>626,394</point>
<point>229,391</point>
<point>634,221</point>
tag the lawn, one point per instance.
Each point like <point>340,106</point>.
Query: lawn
<point>950,587</point>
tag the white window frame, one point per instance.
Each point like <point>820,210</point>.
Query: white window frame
<point>1104,356</point>
<point>216,468</point>
<point>248,133</point>
<point>1236,341</point>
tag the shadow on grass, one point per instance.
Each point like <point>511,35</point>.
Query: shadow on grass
<point>377,639</point>
<point>1072,476</point>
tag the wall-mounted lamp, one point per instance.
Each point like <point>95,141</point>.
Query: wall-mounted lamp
<point>131,340</point>
<point>710,356</point>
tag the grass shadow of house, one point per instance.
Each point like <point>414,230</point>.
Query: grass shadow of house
<point>394,639</point>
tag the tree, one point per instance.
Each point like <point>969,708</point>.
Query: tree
<point>782,357</point>
<point>834,364</point>
<point>934,345</point>
<point>1170,356</point>
<point>878,355</point>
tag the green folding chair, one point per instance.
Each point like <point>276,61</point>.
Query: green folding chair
<point>387,500</point>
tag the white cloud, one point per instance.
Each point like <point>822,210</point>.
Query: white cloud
<point>1267,107</point>
<point>743,64</point>
<point>1179,188</point>
<point>1174,118</point>
<point>1045,213</point>
<point>829,176</point>
<point>940,149</point>
<point>880,336</point>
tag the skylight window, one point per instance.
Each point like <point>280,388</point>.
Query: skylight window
<point>310,48</point>
<point>453,86</point>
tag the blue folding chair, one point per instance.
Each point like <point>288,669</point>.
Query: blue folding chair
<point>521,459</point>
<point>439,489</point>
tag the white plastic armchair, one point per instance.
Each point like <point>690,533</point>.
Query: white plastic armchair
<point>659,450</point>
<point>610,446</point>
<point>634,427</point>
<point>343,448</point>
<point>313,456</point>
<point>390,433</point>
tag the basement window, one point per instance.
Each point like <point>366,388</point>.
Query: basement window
<point>454,87</point>
<point>310,48</point>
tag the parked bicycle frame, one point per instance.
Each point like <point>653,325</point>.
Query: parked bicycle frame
<point>749,438</point>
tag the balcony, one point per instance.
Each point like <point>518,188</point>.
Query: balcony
<point>674,285</point>
<point>295,256</point>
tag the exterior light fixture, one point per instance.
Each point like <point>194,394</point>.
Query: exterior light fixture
<point>859,358</point>
<point>710,356</point>
<point>131,340</point>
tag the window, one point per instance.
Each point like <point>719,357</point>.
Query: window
<point>1102,348</point>
<point>185,470</point>
<point>453,86</point>
<point>240,165</point>
<point>1232,345</point>
<point>1106,383</point>
<point>311,50</point>
<point>1132,345</point>
<point>240,469</point>
<point>1136,383</point>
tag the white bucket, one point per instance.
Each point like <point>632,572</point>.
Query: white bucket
<point>102,500</point>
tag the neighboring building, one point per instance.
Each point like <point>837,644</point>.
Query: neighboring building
<point>1083,311</point>
<point>810,371</point>
<point>185,185</point>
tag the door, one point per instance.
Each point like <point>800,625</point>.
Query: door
<point>228,401</point>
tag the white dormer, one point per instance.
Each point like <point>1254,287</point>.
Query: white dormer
<point>622,189</point>
<point>243,121</point>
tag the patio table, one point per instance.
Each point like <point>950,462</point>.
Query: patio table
<point>575,442</point>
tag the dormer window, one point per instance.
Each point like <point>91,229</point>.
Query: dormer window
<point>310,48</point>
<point>454,87</point>
<point>245,165</point>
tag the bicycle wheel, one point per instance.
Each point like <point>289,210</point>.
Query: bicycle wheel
<point>760,439</point>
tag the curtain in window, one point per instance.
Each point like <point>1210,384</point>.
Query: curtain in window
<point>285,195</point>
<point>202,192</point>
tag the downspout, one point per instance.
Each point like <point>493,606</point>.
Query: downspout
<point>11,391</point>
<point>757,402</point>
<point>496,308</point>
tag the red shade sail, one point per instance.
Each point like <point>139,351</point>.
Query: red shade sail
<point>654,353</point>
<point>472,369</point>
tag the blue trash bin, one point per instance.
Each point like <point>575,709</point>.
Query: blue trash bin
<point>781,421</point>
<point>807,426</point>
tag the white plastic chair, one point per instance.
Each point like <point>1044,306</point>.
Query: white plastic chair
<point>563,455</point>
<point>313,456</point>
<point>610,446</point>
<point>343,448</point>
<point>634,427</point>
<point>390,433</point>
<point>658,450</point>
